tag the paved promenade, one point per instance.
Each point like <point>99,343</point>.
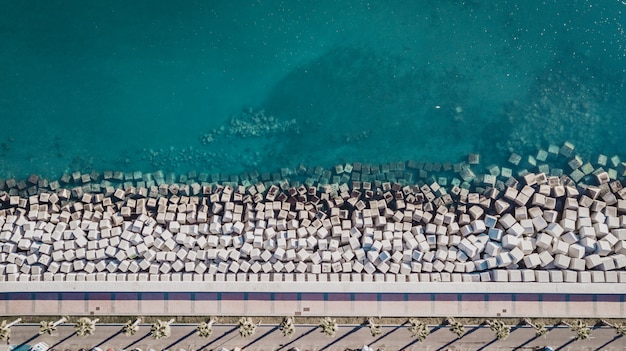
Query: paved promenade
<point>308,337</point>
<point>328,299</point>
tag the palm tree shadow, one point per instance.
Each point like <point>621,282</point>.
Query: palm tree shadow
<point>63,340</point>
<point>180,339</point>
<point>487,344</point>
<point>601,347</point>
<point>298,338</point>
<point>20,346</point>
<point>218,338</point>
<point>137,341</point>
<point>261,337</point>
<point>109,338</point>
<point>564,346</point>
<point>417,340</point>
<point>534,338</point>
<point>386,334</point>
<point>354,330</point>
<point>444,347</point>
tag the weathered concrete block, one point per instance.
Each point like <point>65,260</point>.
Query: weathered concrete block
<point>562,261</point>
<point>611,277</point>
<point>515,275</point>
<point>544,240</point>
<point>577,264</point>
<point>593,261</point>
<point>546,258</point>
<point>559,247</point>
<point>528,275</point>
<point>597,277</point>
<point>603,248</point>
<point>542,276</point>
<point>532,260</point>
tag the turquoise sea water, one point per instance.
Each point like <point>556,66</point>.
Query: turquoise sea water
<point>232,86</point>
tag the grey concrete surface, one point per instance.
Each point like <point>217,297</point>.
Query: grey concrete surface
<point>308,337</point>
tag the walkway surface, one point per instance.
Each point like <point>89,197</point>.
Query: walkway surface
<point>308,337</point>
<point>320,299</point>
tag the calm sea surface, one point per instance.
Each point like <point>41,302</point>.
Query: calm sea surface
<point>233,86</point>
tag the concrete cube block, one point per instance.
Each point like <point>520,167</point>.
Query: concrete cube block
<point>546,258</point>
<point>562,261</point>
<point>593,261</point>
<point>603,248</point>
<point>577,264</point>
<point>544,240</point>
<point>607,264</point>
<point>576,251</point>
<point>528,275</point>
<point>542,276</point>
<point>515,275</point>
<point>570,276</point>
<point>510,241</point>
<point>559,247</point>
<point>503,259</point>
<point>597,277</point>
<point>516,255</point>
<point>532,260</point>
<point>611,277</point>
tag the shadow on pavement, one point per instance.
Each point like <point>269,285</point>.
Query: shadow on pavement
<point>261,337</point>
<point>487,344</point>
<point>386,334</point>
<point>603,346</point>
<point>296,339</point>
<point>20,346</point>
<point>535,338</point>
<point>180,339</point>
<point>354,330</point>
<point>109,338</point>
<point>218,338</point>
<point>137,341</point>
<point>436,328</point>
<point>564,346</point>
<point>60,342</point>
<point>444,347</point>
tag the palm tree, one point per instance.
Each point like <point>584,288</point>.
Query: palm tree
<point>375,329</point>
<point>287,327</point>
<point>131,327</point>
<point>85,326</point>
<point>620,329</point>
<point>205,329</point>
<point>5,329</point>
<point>161,329</point>
<point>246,327</point>
<point>580,328</point>
<point>456,327</point>
<point>328,326</point>
<point>501,329</point>
<point>418,329</point>
<point>540,328</point>
<point>49,327</point>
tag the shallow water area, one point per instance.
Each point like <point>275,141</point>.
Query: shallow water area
<point>231,88</point>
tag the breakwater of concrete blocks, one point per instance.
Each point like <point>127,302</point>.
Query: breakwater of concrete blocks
<point>401,222</point>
